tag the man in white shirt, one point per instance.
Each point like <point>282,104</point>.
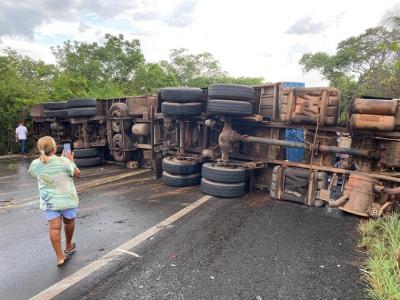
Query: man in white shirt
<point>20,136</point>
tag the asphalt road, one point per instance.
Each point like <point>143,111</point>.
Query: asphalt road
<point>247,248</point>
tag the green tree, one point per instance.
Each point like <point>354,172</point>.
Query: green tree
<point>193,69</point>
<point>152,76</point>
<point>23,82</point>
<point>97,70</point>
<point>362,65</point>
<point>201,70</point>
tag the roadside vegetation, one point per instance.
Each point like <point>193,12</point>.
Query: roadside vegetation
<point>381,239</point>
<point>114,68</point>
<point>369,65</point>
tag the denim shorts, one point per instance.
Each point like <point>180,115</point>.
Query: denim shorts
<point>67,213</point>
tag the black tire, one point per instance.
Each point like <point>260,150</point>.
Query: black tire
<point>181,180</point>
<point>181,94</point>
<point>231,92</point>
<point>216,173</point>
<point>224,190</point>
<point>176,166</point>
<point>54,105</point>
<point>62,113</point>
<point>84,153</point>
<point>89,161</point>
<point>229,107</point>
<point>82,112</point>
<point>76,103</point>
<point>181,109</point>
<point>121,155</point>
<point>119,110</point>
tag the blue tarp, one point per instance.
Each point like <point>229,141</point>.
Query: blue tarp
<point>294,135</point>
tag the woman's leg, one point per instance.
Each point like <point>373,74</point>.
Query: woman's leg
<point>69,227</point>
<point>55,238</point>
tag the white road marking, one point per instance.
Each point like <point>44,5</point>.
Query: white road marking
<point>80,188</point>
<point>69,281</point>
<point>8,176</point>
<point>129,252</point>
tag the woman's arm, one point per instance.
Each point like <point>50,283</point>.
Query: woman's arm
<point>70,156</point>
<point>77,172</point>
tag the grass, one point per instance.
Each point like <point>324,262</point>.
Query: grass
<point>381,239</point>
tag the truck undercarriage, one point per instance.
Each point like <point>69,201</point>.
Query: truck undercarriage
<point>231,139</point>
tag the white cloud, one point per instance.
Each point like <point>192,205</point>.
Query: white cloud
<point>27,47</point>
<point>249,38</point>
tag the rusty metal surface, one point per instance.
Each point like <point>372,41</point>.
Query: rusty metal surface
<point>36,111</point>
<point>372,122</point>
<point>374,106</point>
<point>269,95</point>
<point>391,155</point>
<point>323,148</point>
<point>382,177</point>
<point>360,190</point>
<point>141,105</point>
<point>322,138</point>
<point>310,105</point>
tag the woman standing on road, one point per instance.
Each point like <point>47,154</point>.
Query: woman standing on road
<point>58,197</point>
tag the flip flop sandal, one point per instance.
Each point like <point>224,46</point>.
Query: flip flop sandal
<point>72,250</point>
<point>66,259</point>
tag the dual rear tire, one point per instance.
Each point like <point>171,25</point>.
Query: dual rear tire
<point>182,102</point>
<point>72,108</point>
<point>181,172</point>
<point>230,99</point>
<point>222,181</point>
<point>88,157</point>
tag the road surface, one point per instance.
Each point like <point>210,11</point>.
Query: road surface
<point>246,248</point>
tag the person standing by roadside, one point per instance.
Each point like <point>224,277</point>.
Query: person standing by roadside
<point>58,196</point>
<point>20,136</point>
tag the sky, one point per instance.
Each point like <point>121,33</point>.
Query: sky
<point>249,38</point>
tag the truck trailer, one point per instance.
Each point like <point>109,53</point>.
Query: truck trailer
<point>231,139</point>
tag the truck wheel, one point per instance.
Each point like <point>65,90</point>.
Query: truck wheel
<point>54,105</point>
<point>62,113</point>
<point>224,190</point>
<point>82,112</point>
<point>119,110</point>
<point>229,107</point>
<point>88,161</point>
<point>231,92</point>
<point>89,152</point>
<point>181,180</point>
<point>176,166</point>
<point>216,173</point>
<point>181,94</point>
<point>75,103</point>
<point>181,109</point>
<point>120,155</point>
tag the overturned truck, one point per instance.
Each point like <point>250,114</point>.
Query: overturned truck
<point>230,139</point>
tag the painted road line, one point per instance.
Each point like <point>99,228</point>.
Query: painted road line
<point>103,173</point>
<point>85,186</point>
<point>132,182</point>
<point>8,176</point>
<point>80,188</point>
<point>11,156</point>
<point>129,252</point>
<point>69,281</point>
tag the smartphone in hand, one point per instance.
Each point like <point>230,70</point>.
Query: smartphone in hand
<point>67,148</point>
